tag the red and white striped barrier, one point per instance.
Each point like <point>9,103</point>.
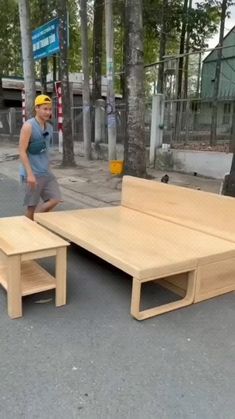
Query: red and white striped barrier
<point>23,105</point>
<point>58,88</point>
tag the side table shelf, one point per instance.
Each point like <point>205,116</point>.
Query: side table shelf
<point>34,278</point>
<point>22,243</point>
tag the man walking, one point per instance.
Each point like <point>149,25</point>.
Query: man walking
<point>35,172</point>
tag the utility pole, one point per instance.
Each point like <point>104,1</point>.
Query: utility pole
<point>27,55</point>
<point>110,105</point>
<point>86,87</point>
<point>217,75</point>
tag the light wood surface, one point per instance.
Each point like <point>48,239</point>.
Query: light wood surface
<point>178,236</point>
<point>215,279</point>
<point>203,211</point>
<point>21,241</point>
<point>19,235</point>
<point>14,303</point>
<point>143,246</point>
<point>164,308</point>
<point>33,279</point>
<point>61,269</point>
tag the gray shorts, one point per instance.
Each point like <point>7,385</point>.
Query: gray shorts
<point>47,188</point>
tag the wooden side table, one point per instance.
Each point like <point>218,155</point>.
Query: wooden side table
<point>22,241</point>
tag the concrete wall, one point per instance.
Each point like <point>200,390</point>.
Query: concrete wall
<point>205,163</point>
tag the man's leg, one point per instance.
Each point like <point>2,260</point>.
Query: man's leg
<point>30,212</point>
<point>48,205</point>
<point>50,194</point>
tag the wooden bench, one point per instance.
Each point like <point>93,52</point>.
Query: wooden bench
<point>22,241</point>
<point>159,232</point>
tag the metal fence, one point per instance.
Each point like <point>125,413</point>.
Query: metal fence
<point>185,121</point>
<point>190,120</point>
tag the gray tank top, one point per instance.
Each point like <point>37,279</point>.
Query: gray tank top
<point>39,162</point>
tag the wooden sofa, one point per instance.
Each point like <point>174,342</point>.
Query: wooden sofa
<point>182,238</point>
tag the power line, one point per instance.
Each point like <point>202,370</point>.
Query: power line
<point>174,57</point>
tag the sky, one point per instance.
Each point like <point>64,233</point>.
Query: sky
<point>229,23</point>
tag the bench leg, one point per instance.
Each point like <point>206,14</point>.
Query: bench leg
<point>145,314</point>
<point>14,295</point>
<point>61,269</point>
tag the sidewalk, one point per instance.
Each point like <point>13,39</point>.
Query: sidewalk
<point>90,183</point>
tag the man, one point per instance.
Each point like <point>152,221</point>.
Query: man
<point>39,181</point>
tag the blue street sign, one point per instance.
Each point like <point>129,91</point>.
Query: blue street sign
<point>46,40</point>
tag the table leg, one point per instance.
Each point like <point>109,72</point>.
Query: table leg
<point>14,296</point>
<point>61,269</point>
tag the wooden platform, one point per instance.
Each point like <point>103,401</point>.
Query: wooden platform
<point>22,241</point>
<point>147,238</point>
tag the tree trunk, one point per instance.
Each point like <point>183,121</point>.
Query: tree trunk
<point>135,152</point>
<point>217,76</point>
<point>97,49</point>
<point>187,47</point>
<point>162,48</point>
<point>27,54</point>
<point>181,51</point>
<point>68,151</point>
<point>110,105</point>
<point>86,87</point>
<point>178,114</point>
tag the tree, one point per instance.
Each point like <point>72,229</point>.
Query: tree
<point>162,49</point>
<point>110,102</point>
<point>97,48</point>
<point>9,46</point>
<point>135,160</point>
<point>224,7</point>
<point>27,53</point>
<point>86,81</point>
<point>68,151</point>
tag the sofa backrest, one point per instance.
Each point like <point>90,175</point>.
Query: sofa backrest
<point>202,211</point>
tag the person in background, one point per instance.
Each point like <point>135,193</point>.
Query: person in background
<point>35,173</point>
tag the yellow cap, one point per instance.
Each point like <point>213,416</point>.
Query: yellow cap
<point>42,100</point>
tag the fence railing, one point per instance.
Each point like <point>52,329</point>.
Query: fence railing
<point>184,121</point>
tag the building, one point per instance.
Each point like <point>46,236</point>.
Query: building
<point>226,95</point>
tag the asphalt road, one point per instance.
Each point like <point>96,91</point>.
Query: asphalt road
<point>91,360</point>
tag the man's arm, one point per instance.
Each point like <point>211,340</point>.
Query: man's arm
<point>25,135</point>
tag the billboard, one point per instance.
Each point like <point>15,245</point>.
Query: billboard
<point>45,40</point>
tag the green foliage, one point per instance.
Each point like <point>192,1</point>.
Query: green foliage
<point>10,44</point>
<point>202,24</point>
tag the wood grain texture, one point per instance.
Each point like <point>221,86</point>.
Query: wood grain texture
<point>20,235</point>
<point>159,232</point>
<point>22,240</point>
<point>143,246</point>
<point>215,279</point>
<point>203,211</point>
<point>33,278</point>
